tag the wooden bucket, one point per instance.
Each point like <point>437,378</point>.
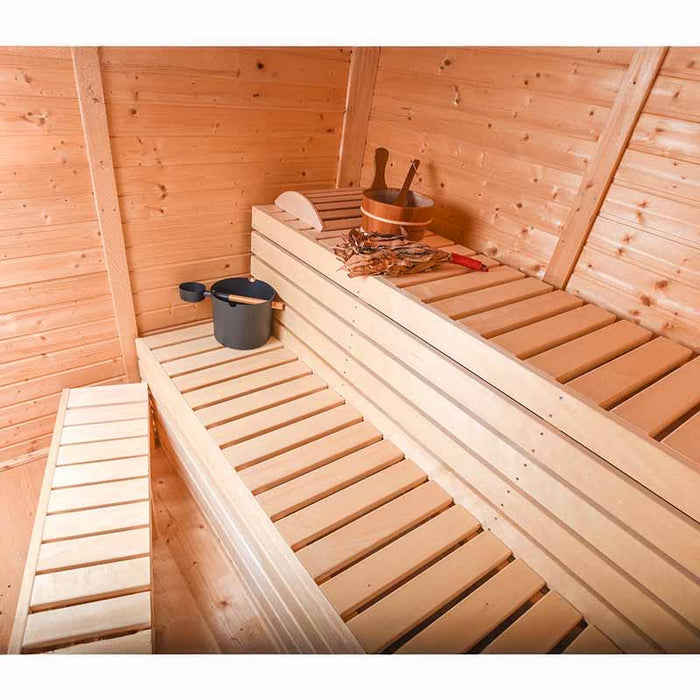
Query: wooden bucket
<point>378,216</point>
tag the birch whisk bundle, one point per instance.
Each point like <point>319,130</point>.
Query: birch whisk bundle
<point>394,255</point>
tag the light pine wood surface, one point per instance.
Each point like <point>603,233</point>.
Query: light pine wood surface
<point>385,542</point>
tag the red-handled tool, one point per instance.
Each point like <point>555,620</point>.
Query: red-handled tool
<point>466,261</point>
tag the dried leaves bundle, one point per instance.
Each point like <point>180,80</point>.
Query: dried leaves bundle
<point>391,255</point>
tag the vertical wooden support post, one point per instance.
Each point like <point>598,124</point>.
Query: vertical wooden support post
<point>88,81</point>
<point>358,103</point>
<point>611,146</point>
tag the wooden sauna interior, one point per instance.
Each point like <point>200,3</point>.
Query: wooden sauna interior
<point>126,171</point>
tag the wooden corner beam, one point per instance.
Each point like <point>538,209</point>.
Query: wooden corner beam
<point>88,82</point>
<point>631,98</point>
<point>358,104</point>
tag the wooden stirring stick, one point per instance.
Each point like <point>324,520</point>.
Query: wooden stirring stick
<point>402,196</point>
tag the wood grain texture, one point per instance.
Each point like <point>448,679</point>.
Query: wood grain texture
<point>613,140</point>
<point>364,63</point>
<point>88,79</point>
<point>58,327</point>
<point>200,135</point>
<point>641,257</point>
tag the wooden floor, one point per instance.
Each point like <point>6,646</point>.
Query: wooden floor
<point>405,567</point>
<point>201,605</point>
<point>650,382</point>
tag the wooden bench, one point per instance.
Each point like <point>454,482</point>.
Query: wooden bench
<point>87,581</point>
<point>317,507</point>
<point>566,432</point>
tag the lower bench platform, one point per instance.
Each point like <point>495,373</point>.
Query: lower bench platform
<point>87,581</point>
<point>346,544</point>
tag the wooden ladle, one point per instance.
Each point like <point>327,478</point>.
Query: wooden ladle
<point>402,196</point>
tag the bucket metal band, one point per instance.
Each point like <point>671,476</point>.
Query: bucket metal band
<point>396,223</point>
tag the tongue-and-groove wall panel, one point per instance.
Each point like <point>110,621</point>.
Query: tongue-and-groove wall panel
<point>200,135</point>
<point>57,326</point>
<point>642,258</point>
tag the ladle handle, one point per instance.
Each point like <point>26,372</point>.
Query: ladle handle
<point>240,299</point>
<point>402,196</point>
<point>381,158</point>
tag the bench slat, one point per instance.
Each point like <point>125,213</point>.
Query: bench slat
<point>389,566</point>
<point>686,439</point>
<point>306,458</point>
<point>107,449</point>
<point>583,354</point>
<point>539,629</point>
<point>236,408</point>
<point>660,405</point>
<point>78,622</point>
<point>107,395</point>
<point>96,520</point>
<point>463,284</point>
<point>469,304</point>
<point>339,549</point>
<point>179,335</point>
<point>591,641</point>
<point>97,495</point>
<point>76,434</point>
<point>522,313</point>
<point>96,549</point>
<point>217,356</point>
<point>340,508</point>
<point>96,472</point>
<point>399,612</point>
<point>308,488</point>
<point>464,625</point>
<point>284,439</point>
<point>136,643</point>
<point>232,389</point>
<point>616,380</point>
<point>91,583</point>
<point>106,414</point>
<point>545,335</point>
<point>232,370</point>
<point>274,418</point>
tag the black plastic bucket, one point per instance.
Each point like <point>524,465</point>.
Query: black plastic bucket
<point>242,326</point>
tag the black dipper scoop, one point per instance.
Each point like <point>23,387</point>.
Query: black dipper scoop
<point>196,291</point>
